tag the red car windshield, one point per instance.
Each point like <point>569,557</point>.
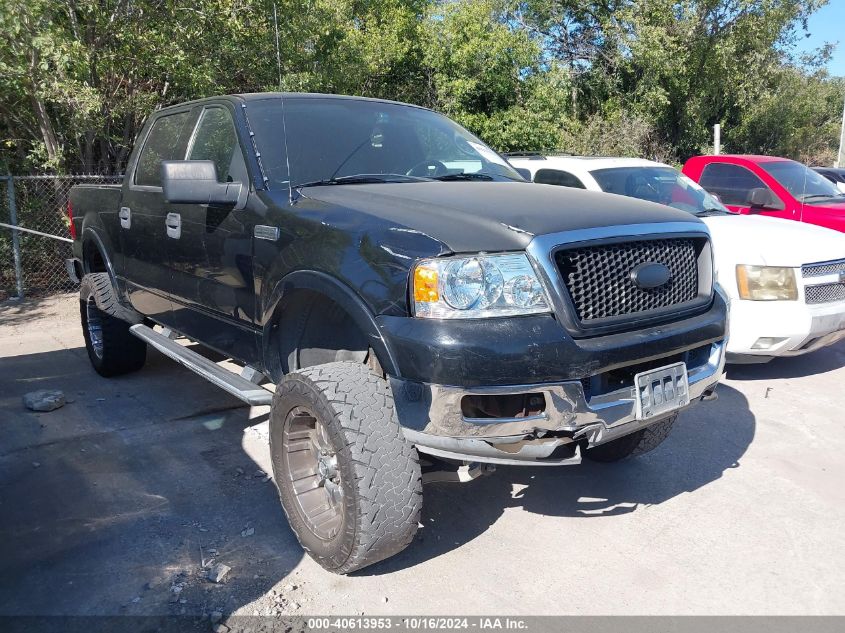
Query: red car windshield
<point>803,183</point>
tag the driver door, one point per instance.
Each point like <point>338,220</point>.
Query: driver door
<point>212,260</point>
<point>734,183</point>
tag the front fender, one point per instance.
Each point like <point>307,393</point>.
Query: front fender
<point>341,294</point>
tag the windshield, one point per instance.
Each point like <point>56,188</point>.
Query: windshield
<point>663,185</point>
<point>803,183</point>
<point>349,141</point>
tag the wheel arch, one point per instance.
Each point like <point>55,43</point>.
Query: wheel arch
<point>95,257</point>
<point>305,289</point>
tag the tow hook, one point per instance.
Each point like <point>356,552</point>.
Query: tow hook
<point>462,474</point>
<point>710,395</point>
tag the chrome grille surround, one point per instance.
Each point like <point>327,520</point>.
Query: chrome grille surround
<point>824,282</point>
<point>542,252</point>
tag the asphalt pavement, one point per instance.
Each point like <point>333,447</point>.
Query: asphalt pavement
<point>117,503</point>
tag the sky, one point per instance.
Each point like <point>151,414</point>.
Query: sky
<point>826,25</point>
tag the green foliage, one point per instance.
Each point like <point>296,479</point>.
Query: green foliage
<point>631,77</point>
<point>801,119</point>
<point>616,133</point>
<point>489,76</point>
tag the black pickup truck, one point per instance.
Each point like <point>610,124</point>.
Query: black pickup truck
<point>404,290</point>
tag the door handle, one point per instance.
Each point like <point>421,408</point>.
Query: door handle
<point>173,222</point>
<point>125,215</point>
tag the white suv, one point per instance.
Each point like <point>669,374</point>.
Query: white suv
<point>774,271</point>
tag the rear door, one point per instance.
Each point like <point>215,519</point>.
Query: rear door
<point>211,259</point>
<point>734,183</point>
<point>142,217</point>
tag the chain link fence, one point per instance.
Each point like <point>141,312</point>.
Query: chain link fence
<point>32,256</point>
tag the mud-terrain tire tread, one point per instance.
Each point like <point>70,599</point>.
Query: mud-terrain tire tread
<point>122,352</point>
<point>654,435</point>
<point>357,406</point>
<point>633,445</point>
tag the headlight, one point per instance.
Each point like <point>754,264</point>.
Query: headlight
<point>766,283</point>
<point>477,287</point>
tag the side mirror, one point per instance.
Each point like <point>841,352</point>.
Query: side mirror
<point>195,182</point>
<point>525,173</point>
<point>763,199</point>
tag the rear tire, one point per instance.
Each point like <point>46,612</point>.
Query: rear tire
<point>349,482</point>
<point>633,445</point>
<point>111,347</point>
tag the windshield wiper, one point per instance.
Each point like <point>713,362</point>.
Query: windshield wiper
<point>362,179</point>
<point>811,196</point>
<point>712,211</point>
<point>464,176</point>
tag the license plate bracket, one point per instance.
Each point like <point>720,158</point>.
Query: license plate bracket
<point>661,390</point>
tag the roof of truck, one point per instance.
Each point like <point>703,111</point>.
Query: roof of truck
<point>261,96</point>
<point>754,158</point>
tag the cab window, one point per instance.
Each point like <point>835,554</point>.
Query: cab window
<point>558,177</point>
<point>163,143</point>
<point>215,139</point>
<point>732,183</point>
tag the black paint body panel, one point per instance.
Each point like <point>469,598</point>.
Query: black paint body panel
<point>357,244</point>
<point>490,216</point>
<point>533,349</point>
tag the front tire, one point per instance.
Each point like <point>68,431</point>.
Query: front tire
<point>634,444</point>
<point>110,345</point>
<point>349,482</point>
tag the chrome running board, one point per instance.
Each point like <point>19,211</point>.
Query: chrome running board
<point>231,382</point>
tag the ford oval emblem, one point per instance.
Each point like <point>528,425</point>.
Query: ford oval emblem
<point>651,275</point>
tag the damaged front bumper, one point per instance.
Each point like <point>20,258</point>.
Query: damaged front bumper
<point>566,416</point>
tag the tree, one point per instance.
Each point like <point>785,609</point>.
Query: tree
<point>643,77</point>
<point>491,76</point>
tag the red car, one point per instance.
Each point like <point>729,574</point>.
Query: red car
<point>768,185</point>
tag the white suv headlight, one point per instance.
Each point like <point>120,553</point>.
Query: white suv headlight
<point>477,287</point>
<point>766,283</point>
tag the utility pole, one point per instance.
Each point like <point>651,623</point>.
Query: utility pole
<point>840,159</point>
<point>278,54</point>
<point>717,139</point>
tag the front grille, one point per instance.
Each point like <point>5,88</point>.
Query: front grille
<point>825,293</point>
<point>599,282</point>
<point>825,268</point>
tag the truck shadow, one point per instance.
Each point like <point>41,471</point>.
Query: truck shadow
<point>821,361</point>
<point>143,478</point>
<point>113,503</point>
<point>707,440</point>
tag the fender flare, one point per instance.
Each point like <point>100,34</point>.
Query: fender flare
<point>123,310</point>
<point>341,294</point>
<point>90,234</point>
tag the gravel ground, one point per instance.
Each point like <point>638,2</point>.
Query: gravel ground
<point>119,502</point>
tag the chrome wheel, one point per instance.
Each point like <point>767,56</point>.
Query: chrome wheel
<point>94,324</point>
<point>312,471</point>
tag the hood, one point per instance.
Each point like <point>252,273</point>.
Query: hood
<point>833,208</point>
<point>760,240</point>
<point>491,216</point>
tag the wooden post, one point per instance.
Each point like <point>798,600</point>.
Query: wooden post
<point>16,238</point>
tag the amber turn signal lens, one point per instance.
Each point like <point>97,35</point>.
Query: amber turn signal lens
<point>742,282</point>
<point>425,285</point>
